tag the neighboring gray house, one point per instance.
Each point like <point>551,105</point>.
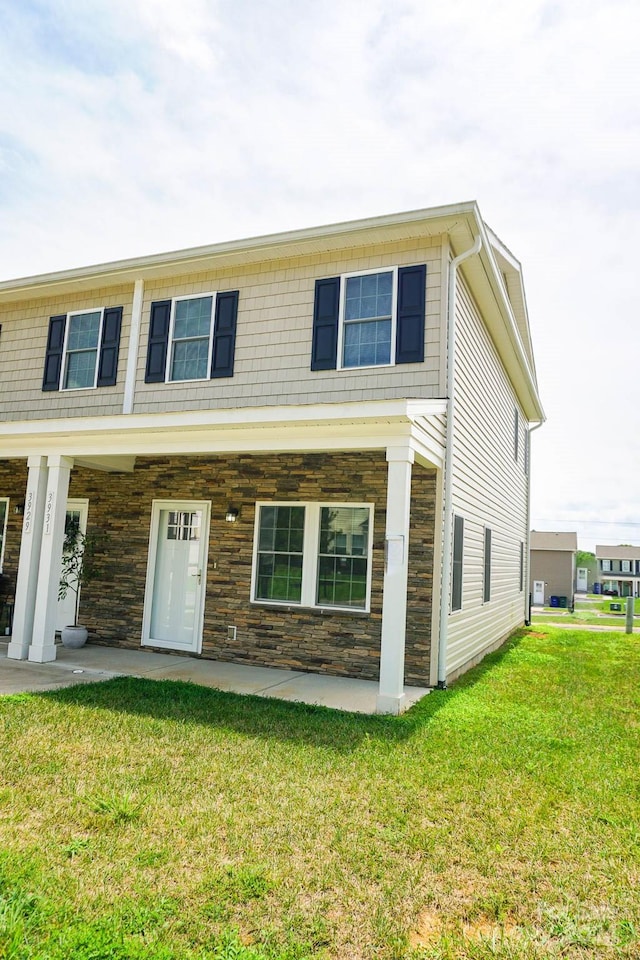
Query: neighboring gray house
<point>619,570</point>
<point>552,572</point>
<point>286,439</point>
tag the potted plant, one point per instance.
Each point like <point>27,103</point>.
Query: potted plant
<point>81,556</point>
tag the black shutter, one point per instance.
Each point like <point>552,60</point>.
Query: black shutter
<point>158,340</point>
<point>411,304</point>
<point>224,334</point>
<point>110,347</point>
<point>324,349</point>
<point>55,347</point>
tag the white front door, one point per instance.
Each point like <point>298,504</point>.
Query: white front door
<point>581,579</point>
<point>538,593</point>
<point>77,510</point>
<point>176,575</point>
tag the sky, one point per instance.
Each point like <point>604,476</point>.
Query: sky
<point>131,127</point>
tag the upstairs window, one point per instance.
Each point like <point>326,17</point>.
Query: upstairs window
<point>370,319</point>
<point>625,566</point>
<point>192,338</point>
<point>367,319</point>
<point>82,349</point>
<point>606,566</point>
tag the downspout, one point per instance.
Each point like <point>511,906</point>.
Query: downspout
<point>527,583</point>
<point>448,464</point>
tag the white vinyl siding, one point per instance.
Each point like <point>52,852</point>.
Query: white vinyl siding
<point>489,490</point>
<point>273,340</point>
<point>274,333</point>
<point>24,343</point>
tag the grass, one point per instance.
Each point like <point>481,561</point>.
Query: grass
<point>578,618</point>
<point>144,820</point>
<point>587,614</point>
<point>606,602</point>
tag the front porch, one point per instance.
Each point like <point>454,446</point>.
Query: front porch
<point>94,663</point>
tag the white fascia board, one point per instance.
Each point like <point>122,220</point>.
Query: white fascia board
<point>378,411</point>
<point>313,427</point>
<point>487,286</point>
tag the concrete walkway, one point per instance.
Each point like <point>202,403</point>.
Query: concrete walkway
<point>93,663</point>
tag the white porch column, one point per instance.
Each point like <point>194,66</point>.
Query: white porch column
<point>27,581</point>
<point>43,642</point>
<point>391,695</point>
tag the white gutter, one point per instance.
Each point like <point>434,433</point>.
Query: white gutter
<point>448,465</point>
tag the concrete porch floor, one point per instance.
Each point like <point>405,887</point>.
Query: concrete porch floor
<point>93,663</point>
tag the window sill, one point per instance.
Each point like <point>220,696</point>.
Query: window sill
<point>319,611</point>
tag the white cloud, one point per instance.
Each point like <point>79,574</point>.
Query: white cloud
<point>131,127</point>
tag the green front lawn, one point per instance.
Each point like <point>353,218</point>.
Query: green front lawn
<point>579,617</point>
<point>144,820</point>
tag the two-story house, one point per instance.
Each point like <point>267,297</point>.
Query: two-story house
<point>619,570</point>
<point>307,450</point>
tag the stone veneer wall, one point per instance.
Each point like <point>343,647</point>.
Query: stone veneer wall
<point>13,483</point>
<point>299,639</point>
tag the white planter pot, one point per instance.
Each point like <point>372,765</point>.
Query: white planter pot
<point>74,637</point>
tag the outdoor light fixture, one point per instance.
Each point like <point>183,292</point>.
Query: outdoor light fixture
<point>232,514</point>
<point>19,509</point>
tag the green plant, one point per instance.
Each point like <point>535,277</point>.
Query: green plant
<point>82,560</point>
<point>121,808</point>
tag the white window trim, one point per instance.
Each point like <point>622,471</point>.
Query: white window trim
<point>394,310</point>
<point>170,344</point>
<point>622,566</point>
<point>4,500</point>
<point>310,556</point>
<point>606,566</point>
<point>65,354</point>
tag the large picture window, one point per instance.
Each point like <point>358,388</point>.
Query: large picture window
<point>314,555</point>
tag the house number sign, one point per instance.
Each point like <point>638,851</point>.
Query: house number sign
<point>28,512</point>
<point>48,512</point>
